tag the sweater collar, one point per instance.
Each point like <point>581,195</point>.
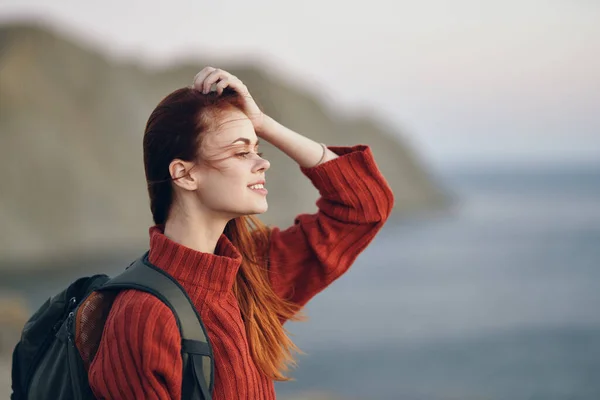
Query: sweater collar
<point>210,271</point>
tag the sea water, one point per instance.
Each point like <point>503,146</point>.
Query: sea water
<point>498,299</point>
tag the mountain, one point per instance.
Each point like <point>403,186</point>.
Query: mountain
<point>71,126</point>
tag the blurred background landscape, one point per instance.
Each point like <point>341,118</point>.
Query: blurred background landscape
<point>483,116</point>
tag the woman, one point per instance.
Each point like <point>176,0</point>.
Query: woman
<point>206,179</point>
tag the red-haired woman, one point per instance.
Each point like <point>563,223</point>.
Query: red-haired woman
<point>206,179</point>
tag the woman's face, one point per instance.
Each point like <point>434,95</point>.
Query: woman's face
<point>226,186</point>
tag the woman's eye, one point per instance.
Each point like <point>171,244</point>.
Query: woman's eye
<point>245,154</point>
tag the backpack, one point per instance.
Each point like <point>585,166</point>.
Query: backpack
<point>61,338</point>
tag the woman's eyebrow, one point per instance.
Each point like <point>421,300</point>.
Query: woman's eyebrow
<point>247,141</point>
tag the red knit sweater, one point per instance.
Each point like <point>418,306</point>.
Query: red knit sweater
<point>140,352</point>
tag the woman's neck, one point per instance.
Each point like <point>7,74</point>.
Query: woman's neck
<point>195,232</point>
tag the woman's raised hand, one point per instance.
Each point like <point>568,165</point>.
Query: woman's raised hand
<point>209,76</point>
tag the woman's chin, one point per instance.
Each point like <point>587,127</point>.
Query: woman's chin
<point>256,210</point>
<point>262,210</point>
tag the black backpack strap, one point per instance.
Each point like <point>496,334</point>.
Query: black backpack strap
<point>196,350</point>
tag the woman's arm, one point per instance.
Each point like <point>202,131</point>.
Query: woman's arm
<point>306,152</point>
<point>139,356</point>
<point>355,202</point>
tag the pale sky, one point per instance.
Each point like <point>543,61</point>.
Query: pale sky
<point>513,81</point>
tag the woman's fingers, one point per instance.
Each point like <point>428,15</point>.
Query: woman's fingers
<point>210,76</point>
<point>201,76</point>
<point>222,84</point>
<point>217,76</point>
<point>211,79</point>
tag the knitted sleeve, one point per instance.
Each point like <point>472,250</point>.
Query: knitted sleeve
<point>355,201</point>
<point>139,356</point>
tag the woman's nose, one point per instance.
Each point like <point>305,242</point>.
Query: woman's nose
<point>262,165</point>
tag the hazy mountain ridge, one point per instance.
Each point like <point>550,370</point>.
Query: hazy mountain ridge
<point>71,125</point>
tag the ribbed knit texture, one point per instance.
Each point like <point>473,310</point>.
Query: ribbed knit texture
<point>140,353</point>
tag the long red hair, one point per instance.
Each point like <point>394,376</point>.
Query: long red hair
<point>175,129</point>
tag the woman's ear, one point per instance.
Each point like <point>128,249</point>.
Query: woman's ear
<point>182,176</point>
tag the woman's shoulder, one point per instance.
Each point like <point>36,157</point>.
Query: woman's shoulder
<point>135,312</point>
